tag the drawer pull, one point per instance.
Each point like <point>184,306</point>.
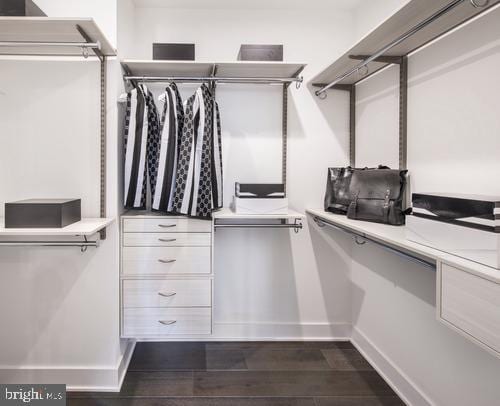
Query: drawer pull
<point>167,322</point>
<point>167,239</point>
<point>167,294</point>
<point>167,261</point>
<point>166,225</point>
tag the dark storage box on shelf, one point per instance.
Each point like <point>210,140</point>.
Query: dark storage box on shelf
<point>20,8</point>
<point>173,52</point>
<point>257,52</point>
<point>42,213</point>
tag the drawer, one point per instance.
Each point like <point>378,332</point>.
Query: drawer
<point>166,225</point>
<point>155,322</point>
<point>472,305</point>
<point>166,239</point>
<point>166,260</point>
<point>167,293</point>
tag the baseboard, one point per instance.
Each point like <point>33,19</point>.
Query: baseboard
<point>282,331</point>
<point>399,382</point>
<point>100,379</point>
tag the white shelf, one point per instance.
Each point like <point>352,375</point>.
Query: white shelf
<point>86,227</point>
<point>402,21</point>
<point>46,30</point>
<point>239,69</point>
<point>394,236</point>
<point>228,214</point>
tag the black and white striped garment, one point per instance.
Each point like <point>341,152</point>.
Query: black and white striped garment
<point>141,146</point>
<point>217,195</point>
<point>171,133</point>
<point>199,168</point>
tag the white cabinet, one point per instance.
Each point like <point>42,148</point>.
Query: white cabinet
<point>166,277</point>
<point>470,304</point>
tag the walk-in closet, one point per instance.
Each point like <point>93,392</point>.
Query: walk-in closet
<point>269,203</point>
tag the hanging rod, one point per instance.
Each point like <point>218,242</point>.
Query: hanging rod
<point>296,226</point>
<point>82,244</point>
<point>322,222</point>
<point>213,79</point>
<point>258,226</point>
<point>397,41</point>
<point>85,46</point>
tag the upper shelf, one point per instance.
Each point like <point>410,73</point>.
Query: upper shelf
<point>50,36</point>
<point>456,12</point>
<point>217,70</point>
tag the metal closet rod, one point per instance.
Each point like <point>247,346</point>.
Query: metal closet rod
<point>50,243</point>
<point>213,79</point>
<point>322,222</point>
<point>296,226</point>
<point>93,45</point>
<point>399,40</point>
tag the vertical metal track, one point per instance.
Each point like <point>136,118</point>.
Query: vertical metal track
<point>352,125</point>
<point>284,132</point>
<point>403,112</point>
<point>103,145</point>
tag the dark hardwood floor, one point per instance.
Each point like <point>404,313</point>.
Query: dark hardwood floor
<point>246,374</point>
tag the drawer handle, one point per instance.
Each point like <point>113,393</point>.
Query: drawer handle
<point>166,261</point>
<point>166,225</point>
<point>167,239</point>
<point>167,322</point>
<point>167,294</point>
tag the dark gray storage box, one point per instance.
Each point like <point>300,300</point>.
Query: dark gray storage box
<point>258,52</point>
<point>20,8</point>
<point>42,213</point>
<point>173,52</point>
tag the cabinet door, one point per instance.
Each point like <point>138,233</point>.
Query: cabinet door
<point>471,305</point>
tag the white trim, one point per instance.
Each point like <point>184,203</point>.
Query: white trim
<point>98,379</point>
<point>406,389</point>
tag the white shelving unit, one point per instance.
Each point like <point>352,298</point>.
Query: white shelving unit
<point>232,72</point>
<point>52,36</point>
<point>449,15</point>
<point>62,37</point>
<point>84,228</point>
<point>226,218</point>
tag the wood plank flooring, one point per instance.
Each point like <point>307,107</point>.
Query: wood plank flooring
<point>246,374</point>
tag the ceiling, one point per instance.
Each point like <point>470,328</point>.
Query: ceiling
<point>252,4</point>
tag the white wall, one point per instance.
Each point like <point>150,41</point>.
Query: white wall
<point>60,307</point>
<point>271,283</point>
<point>453,146</point>
<point>102,11</point>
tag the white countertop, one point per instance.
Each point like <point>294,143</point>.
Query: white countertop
<point>85,227</point>
<point>394,236</point>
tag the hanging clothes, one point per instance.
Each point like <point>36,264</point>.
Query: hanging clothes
<point>199,170</point>
<point>217,201</point>
<point>171,133</point>
<point>141,147</point>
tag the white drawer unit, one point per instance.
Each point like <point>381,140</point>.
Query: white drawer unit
<point>160,322</point>
<point>166,277</point>
<point>167,293</point>
<point>470,304</point>
<point>166,239</point>
<point>166,225</point>
<point>166,260</point>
